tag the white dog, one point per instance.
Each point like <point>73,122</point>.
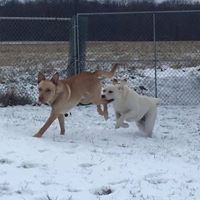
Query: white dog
<point>130,106</point>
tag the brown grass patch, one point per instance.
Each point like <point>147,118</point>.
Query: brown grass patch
<point>56,54</point>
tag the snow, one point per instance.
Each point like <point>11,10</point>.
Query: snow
<point>95,161</point>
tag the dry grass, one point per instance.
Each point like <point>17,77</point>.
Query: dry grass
<point>32,54</point>
<point>51,54</point>
<point>11,97</point>
<point>20,63</point>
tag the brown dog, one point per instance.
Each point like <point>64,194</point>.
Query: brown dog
<point>62,95</point>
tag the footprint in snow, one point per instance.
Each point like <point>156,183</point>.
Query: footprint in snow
<point>155,178</point>
<point>48,182</point>
<point>86,165</point>
<point>5,161</point>
<point>104,139</point>
<point>43,150</point>
<point>123,145</point>
<point>72,190</point>
<point>69,152</point>
<point>124,181</point>
<point>105,190</point>
<point>27,165</point>
<point>4,189</point>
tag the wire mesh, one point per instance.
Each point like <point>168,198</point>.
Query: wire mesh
<point>158,61</point>
<point>27,46</point>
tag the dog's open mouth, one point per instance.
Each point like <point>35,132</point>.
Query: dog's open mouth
<point>110,100</point>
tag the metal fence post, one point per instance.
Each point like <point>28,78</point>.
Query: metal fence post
<point>78,44</point>
<point>72,65</point>
<point>75,45</point>
<point>155,52</point>
<point>82,33</point>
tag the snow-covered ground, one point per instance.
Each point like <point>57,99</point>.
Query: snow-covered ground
<point>93,161</point>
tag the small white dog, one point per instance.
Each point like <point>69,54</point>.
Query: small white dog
<point>130,106</point>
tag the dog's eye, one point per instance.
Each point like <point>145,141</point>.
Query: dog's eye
<point>110,91</point>
<point>40,89</point>
<point>48,90</point>
<point>104,91</point>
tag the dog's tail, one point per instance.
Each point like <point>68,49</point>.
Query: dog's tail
<point>107,74</point>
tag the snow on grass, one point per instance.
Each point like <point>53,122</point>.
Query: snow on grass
<point>94,161</point>
<point>174,86</point>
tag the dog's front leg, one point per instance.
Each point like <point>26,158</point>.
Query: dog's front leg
<point>50,120</point>
<point>100,101</point>
<point>129,115</point>
<point>120,123</point>
<point>105,110</point>
<point>62,124</point>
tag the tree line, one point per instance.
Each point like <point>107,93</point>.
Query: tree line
<point>129,27</point>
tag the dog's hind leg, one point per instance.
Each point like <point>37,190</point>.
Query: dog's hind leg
<point>149,122</point>
<point>141,124</point>
<point>61,123</point>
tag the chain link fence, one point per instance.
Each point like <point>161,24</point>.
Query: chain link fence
<point>160,58</point>
<point>27,46</point>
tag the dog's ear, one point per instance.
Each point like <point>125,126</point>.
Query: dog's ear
<point>41,77</point>
<point>122,84</point>
<point>114,81</point>
<point>55,78</point>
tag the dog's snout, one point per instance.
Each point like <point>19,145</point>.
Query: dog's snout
<point>103,96</point>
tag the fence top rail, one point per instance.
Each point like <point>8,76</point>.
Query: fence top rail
<point>35,18</point>
<point>144,60</point>
<point>141,12</point>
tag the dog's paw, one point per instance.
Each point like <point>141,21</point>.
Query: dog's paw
<point>37,135</point>
<point>62,132</point>
<point>124,125</point>
<point>117,126</point>
<point>106,116</point>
